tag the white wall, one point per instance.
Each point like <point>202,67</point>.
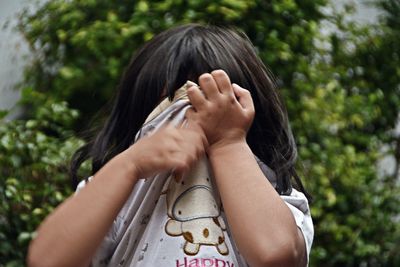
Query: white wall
<point>365,12</point>
<point>13,52</point>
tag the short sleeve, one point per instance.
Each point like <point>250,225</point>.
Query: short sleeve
<point>82,184</point>
<point>108,245</point>
<point>298,205</point>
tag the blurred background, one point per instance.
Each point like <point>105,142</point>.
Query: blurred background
<point>336,64</point>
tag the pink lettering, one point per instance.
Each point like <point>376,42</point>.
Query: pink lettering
<point>219,263</point>
<point>203,262</point>
<point>194,263</point>
<point>178,264</point>
<point>207,262</point>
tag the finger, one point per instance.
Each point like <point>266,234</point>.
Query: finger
<point>243,96</point>
<point>196,97</point>
<point>223,82</point>
<point>209,86</point>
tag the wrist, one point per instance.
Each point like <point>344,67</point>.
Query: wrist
<point>227,147</point>
<point>226,138</point>
<point>128,165</point>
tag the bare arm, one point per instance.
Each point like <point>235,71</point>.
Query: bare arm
<point>71,234</point>
<point>262,225</point>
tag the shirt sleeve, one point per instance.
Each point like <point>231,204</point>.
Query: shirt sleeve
<point>82,184</point>
<point>298,205</point>
<point>106,249</point>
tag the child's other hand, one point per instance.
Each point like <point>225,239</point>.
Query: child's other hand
<point>169,148</point>
<point>224,111</point>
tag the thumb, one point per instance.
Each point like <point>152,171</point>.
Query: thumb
<point>243,96</point>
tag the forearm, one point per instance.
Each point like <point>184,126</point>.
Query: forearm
<point>71,234</point>
<point>262,225</point>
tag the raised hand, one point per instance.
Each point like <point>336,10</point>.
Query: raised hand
<point>224,111</point>
<point>169,148</point>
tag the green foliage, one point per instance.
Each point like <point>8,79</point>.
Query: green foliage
<point>83,46</point>
<point>346,106</point>
<point>344,182</point>
<point>34,156</point>
<point>342,98</point>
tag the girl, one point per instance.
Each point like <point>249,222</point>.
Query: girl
<point>208,180</point>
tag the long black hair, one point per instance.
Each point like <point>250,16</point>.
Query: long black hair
<point>184,53</point>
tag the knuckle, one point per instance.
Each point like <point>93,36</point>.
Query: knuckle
<point>231,96</point>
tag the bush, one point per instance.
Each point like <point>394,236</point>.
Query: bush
<point>34,156</point>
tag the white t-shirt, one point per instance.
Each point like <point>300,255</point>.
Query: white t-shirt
<point>169,223</point>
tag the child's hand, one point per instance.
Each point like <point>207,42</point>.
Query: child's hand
<point>224,111</point>
<point>169,148</point>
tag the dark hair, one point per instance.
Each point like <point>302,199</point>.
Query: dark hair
<point>184,53</point>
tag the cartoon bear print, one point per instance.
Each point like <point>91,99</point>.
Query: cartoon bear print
<point>194,212</point>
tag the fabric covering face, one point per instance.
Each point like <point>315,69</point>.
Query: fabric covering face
<point>170,223</point>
